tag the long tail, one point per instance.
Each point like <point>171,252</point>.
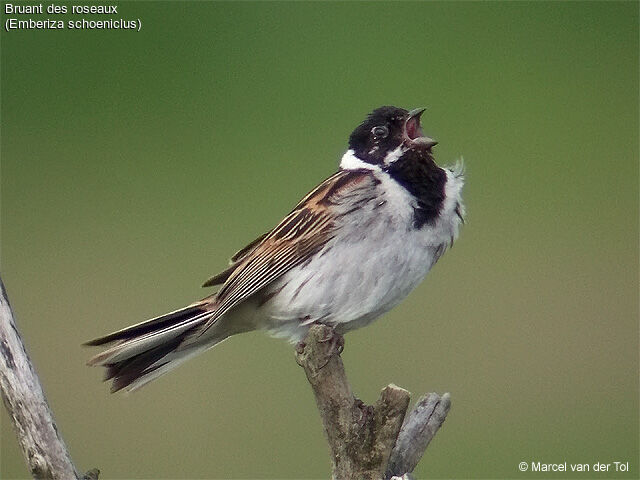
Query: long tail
<point>143,352</point>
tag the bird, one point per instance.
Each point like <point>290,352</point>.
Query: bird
<point>351,250</point>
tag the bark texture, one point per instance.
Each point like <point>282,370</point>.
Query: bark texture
<point>367,442</point>
<point>43,448</point>
<point>419,428</point>
<point>362,437</point>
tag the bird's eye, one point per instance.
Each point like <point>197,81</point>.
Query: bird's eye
<point>380,132</point>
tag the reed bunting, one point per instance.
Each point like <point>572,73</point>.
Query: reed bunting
<point>351,250</point>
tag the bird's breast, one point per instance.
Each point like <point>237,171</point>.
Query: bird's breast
<point>376,257</point>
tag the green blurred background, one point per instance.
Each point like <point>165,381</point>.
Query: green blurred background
<point>134,164</point>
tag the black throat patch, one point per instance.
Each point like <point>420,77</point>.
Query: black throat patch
<point>418,173</point>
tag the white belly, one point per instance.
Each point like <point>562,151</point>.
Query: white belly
<point>374,262</point>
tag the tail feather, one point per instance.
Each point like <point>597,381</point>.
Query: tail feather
<point>149,349</point>
<point>126,372</point>
<point>136,345</point>
<point>158,364</point>
<point>149,326</point>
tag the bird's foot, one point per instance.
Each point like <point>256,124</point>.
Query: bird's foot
<point>334,340</point>
<point>321,344</point>
<point>334,344</point>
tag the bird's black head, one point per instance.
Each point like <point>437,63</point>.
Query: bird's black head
<point>387,133</point>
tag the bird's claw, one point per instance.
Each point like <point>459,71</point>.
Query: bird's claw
<point>335,341</point>
<point>335,345</point>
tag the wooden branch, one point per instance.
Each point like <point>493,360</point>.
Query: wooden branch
<point>419,428</point>
<point>43,448</point>
<point>366,442</point>
<point>361,437</point>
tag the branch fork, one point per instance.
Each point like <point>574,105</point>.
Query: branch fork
<point>369,442</point>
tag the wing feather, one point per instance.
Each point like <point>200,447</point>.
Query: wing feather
<point>233,264</point>
<point>296,238</point>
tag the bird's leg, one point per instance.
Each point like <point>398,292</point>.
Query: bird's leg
<point>322,349</point>
<point>335,344</point>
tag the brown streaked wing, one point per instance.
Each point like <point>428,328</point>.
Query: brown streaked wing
<point>233,264</point>
<point>298,236</point>
<point>240,254</point>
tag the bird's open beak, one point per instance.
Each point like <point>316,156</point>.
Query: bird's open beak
<point>413,131</point>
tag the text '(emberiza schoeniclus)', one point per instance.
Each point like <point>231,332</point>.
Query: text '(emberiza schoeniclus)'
<point>351,250</point>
